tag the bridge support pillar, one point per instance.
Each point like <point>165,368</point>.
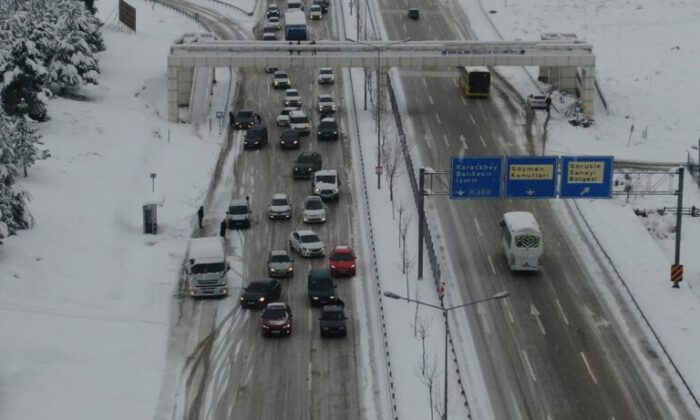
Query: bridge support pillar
<point>179,89</point>
<point>586,90</point>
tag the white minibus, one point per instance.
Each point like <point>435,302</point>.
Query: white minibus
<point>522,241</point>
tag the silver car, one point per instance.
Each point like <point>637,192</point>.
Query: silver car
<point>280,264</point>
<point>314,210</point>
<point>279,207</point>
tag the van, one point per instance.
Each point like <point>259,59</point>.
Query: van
<point>238,213</point>
<point>521,240</point>
<point>206,267</point>
<point>321,287</point>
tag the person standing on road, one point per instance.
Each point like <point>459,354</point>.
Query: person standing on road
<point>200,216</point>
<point>222,229</point>
<point>231,118</point>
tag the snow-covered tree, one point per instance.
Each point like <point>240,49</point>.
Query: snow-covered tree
<point>26,142</point>
<point>14,214</point>
<point>23,73</point>
<point>73,64</point>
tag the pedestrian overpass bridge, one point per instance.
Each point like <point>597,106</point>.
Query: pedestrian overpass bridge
<point>575,58</point>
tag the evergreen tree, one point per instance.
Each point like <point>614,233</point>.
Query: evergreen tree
<point>14,214</point>
<point>22,75</point>
<point>72,65</point>
<point>25,142</point>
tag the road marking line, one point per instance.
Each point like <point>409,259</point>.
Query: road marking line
<point>561,311</point>
<point>425,83</point>
<point>471,117</point>
<point>508,311</point>
<point>478,228</point>
<point>310,316</point>
<point>430,98</point>
<point>590,371</point>
<point>464,101</point>
<point>437,117</point>
<point>308,378</point>
<point>529,366</point>
<point>444,137</point>
<point>483,142</point>
<point>484,322</point>
<point>464,142</point>
<point>455,83</point>
<point>493,268</point>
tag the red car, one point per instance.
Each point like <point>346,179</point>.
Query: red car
<point>343,261</point>
<point>277,319</point>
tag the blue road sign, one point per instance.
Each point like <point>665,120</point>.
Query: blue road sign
<point>531,177</point>
<point>476,177</point>
<point>586,177</point>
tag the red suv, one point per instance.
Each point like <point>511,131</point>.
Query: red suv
<point>277,319</point>
<point>343,261</point>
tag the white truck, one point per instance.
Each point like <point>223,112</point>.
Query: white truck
<point>206,267</point>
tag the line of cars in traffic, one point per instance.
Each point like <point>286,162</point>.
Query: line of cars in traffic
<point>325,186</point>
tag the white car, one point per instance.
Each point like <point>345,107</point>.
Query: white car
<point>292,98</point>
<point>314,211</point>
<point>315,12</point>
<point>279,207</point>
<point>283,117</point>
<point>326,184</point>
<point>274,20</point>
<point>299,121</point>
<point>537,101</point>
<point>280,80</point>
<point>306,243</point>
<point>326,76</point>
<point>325,103</point>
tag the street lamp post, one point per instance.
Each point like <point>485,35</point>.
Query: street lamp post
<point>445,310</point>
<point>379,49</point>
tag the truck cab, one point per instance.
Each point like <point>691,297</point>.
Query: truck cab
<point>206,267</point>
<point>238,213</point>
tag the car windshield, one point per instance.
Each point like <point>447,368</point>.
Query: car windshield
<point>344,256</point>
<point>321,283</point>
<point>289,134</point>
<point>275,313</point>
<point>245,114</point>
<point>307,239</point>
<point>315,8</point>
<point>305,159</point>
<point>328,179</point>
<point>256,287</point>
<point>280,75</point>
<point>208,268</point>
<point>314,205</point>
<point>279,202</point>
<point>328,124</point>
<point>299,120</point>
<point>292,93</point>
<point>279,258</point>
<point>238,209</point>
<point>332,315</point>
<point>325,99</point>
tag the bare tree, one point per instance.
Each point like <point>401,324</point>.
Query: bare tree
<point>428,375</point>
<point>404,223</point>
<point>392,157</point>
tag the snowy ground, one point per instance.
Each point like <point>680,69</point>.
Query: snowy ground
<point>84,295</point>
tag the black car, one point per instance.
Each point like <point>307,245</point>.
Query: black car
<point>260,292</point>
<point>306,164</point>
<point>414,14</point>
<point>290,139</point>
<point>323,4</point>
<point>255,137</point>
<point>327,130</point>
<point>245,119</point>
<point>333,319</point>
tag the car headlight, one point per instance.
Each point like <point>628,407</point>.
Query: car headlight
<point>296,141</point>
<point>335,190</point>
<point>242,299</point>
<point>323,219</point>
<point>315,298</point>
<point>262,299</point>
<point>352,266</point>
<point>290,269</point>
<point>272,270</point>
<point>265,327</point>
<point>333,266</point>
<point>335,132</point>
<point>317,190</point>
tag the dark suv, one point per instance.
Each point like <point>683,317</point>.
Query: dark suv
<point>261,292</point>
<point>333,319</point>
<point>245,118</point>
<point>327,130</point>
<point>255,137</point>
<point>306,164</point>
